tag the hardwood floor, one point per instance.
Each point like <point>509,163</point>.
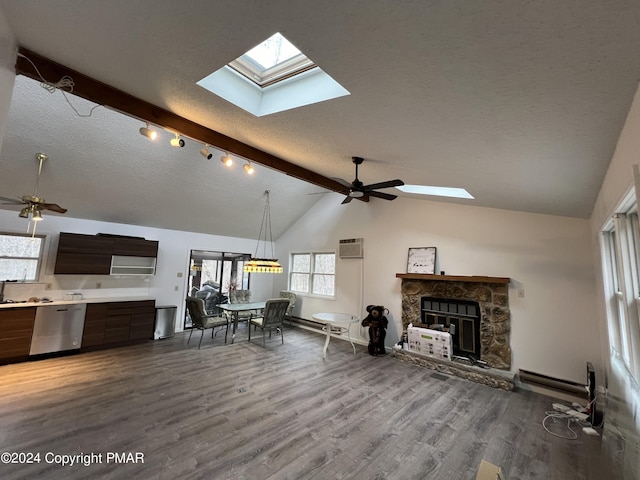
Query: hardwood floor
<point>243,412</point>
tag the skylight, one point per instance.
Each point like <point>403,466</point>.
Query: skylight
<point>436,191</point>
<point>274,59</point>
<point>274,76</point>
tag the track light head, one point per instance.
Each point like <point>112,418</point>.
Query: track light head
<point>249,168</point>
<point>226,160</point>
<point>204,151</point>
<point>148,132</point>
<point>177,142</point>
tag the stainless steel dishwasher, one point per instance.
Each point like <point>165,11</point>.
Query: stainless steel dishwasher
<point>58,328</point>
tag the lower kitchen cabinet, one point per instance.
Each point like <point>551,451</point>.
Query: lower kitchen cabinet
<point>16,327</point>
<point>115,323</point>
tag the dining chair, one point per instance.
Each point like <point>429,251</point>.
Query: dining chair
<point>202,320</point>
<point>272,317</point>
<point>292,301</point>
<point>242,296</point>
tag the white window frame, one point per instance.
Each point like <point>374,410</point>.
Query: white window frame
<point>39,259</point>
<point>312,273</point>
<point>620,249</point>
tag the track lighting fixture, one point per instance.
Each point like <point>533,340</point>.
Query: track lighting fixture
<point>204,151</point>
<point>249,168</point>
<point>226,160</point>
<point>148,132</point>
<point>177,142</point>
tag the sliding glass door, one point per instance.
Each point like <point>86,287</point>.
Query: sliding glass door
<point>211,276</point>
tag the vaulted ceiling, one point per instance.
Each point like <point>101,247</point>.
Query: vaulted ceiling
<point>521,103</point>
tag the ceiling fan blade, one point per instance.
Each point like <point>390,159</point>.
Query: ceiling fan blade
<point>387,184</point>
<point>347,199</point>
<point>11,201</point>
<point>342,182</point>
<point>53,207</point>
<point>386,196</point>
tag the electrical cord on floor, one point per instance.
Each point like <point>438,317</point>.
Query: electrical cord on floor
<point>559,415</point>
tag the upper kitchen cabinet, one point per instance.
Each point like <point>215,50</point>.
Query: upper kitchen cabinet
<point>105,254</point>
<point>84,254</point>
<point>135,247</point>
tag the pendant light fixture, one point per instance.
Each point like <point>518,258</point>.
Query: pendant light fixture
<point>264,265</point>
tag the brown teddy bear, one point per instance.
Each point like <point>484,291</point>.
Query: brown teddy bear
<point>377,323</point>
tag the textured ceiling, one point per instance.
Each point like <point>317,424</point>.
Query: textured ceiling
<point>519,102</point>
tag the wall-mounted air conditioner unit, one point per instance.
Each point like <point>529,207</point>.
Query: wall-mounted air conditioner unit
<point>351,248</point>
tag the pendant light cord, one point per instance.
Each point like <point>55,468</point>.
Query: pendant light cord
<point>266,226</point>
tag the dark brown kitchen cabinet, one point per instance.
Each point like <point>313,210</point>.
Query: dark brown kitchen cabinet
<point>83,254</point>
<point>92,254</point>
<point>135,247</point>
<point>16,327</point>
<point>94,322</point>
<point>114,323</point>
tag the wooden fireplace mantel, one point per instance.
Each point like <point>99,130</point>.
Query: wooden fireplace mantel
<point>452,278</point>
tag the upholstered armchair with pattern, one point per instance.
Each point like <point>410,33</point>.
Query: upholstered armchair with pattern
<point>292,301</point>
<point>242,296</point>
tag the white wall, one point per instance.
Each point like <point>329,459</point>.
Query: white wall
<point>167,287</point>
<point>554,329</point>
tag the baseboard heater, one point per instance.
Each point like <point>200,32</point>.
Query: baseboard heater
<point>307,323</point>
<point>550,382</point>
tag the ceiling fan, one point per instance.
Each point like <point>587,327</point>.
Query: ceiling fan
<point>32,203</point>
<point>357,189</point>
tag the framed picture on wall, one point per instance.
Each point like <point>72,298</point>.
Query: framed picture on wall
<point>422,260</point>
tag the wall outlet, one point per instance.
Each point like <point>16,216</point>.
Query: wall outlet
<point>98,284</point>
<point>521,292</point>
<point>176,288</point>
<point>179,274</point>
<point>48,286</point>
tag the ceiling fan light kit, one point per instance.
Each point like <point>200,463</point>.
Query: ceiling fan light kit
<point>357,189</point>
<point>32,203</point>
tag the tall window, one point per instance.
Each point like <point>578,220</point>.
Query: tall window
<point>621,249</point>
<point>20,256</point>
<point>313,273</point>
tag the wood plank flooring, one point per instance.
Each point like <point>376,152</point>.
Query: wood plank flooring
<point>281,412</point>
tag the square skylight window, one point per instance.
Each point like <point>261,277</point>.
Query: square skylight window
<point>274,76</point>
<point>436,191</point>
<point>274,59</point>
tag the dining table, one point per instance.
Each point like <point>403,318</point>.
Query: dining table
<point>234,310</point>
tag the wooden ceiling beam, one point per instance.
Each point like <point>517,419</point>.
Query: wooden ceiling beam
<point>102,94</point>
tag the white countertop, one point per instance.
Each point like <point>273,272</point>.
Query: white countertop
<point>72,302</point>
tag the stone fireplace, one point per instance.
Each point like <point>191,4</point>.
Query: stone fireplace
<point>491,295</point>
